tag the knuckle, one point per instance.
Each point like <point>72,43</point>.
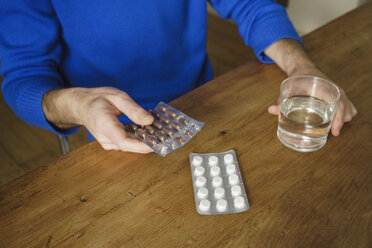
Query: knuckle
<point>101,91</point>
<point>109,146</point>
<point>95,103</point>
<point>122,95</point>
<point>106,146</point>
<point>98,100</point>
<point>124,146</point>
<point>347,118</point>
<point>109,89</point>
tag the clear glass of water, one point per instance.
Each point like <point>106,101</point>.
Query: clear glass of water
<point>307,107</point>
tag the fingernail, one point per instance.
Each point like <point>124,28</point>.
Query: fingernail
<point>148,119</point>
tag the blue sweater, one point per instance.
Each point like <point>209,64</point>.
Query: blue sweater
<point>153,50</point>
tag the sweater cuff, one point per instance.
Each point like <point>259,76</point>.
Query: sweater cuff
<point>29,103</point>
<point>268,32</point>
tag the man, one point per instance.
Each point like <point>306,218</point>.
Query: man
<point>69,63</point>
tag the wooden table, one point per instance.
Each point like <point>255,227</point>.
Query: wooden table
<point>98,198</point>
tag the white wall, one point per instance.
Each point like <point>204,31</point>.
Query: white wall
<point>308,15</point>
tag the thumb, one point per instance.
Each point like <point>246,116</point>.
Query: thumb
<point>273,109</point>
<point>131,109</point>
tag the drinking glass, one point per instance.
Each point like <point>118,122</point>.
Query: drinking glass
<point>307,106</point>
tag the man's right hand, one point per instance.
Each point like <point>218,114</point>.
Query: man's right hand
<point>97,109</point>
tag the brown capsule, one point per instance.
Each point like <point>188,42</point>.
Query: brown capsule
<point>183,121</point>
<point>180,140</point>
<point>151,139</point>
<point>132,126</point>
<point>165,119</point>
<point>171,113</point>
<point>154,113</point>
<point>175,125</point>
<point>168,131</point>
<point>188,133</point>
<point>140,132</point>
<point>162,108</point>
<point>157,124</point>
<point>150,129</point>
<point>160,135</point>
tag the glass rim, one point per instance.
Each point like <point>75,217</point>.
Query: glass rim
<point>314,77</point>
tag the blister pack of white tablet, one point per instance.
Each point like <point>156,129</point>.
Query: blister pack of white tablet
<point>218,183</point>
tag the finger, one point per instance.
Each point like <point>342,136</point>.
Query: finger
<point>349,111</point>
<point>104,142</point>
<point>113,131</point>
<point>349,106</point>
<point>110,146</point>
<point>354,111</point>
<point>273,109</point>
<point>131,109</point>
<point>338,122</point>
<point>347,117</point>
<point>134,145</point>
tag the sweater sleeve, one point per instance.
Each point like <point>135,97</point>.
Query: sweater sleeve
<point>30,51</point>
<point>260,22</point>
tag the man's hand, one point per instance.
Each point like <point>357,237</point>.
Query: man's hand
<point>97,109</point>
<point>292,59</point>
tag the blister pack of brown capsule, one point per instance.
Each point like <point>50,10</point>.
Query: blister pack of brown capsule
<point>170,130</point>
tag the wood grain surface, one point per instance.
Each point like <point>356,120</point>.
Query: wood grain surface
<point>97,198</point>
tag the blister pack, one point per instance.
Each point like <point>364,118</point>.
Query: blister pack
<point>170,130</point>
<point>218,184</point>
